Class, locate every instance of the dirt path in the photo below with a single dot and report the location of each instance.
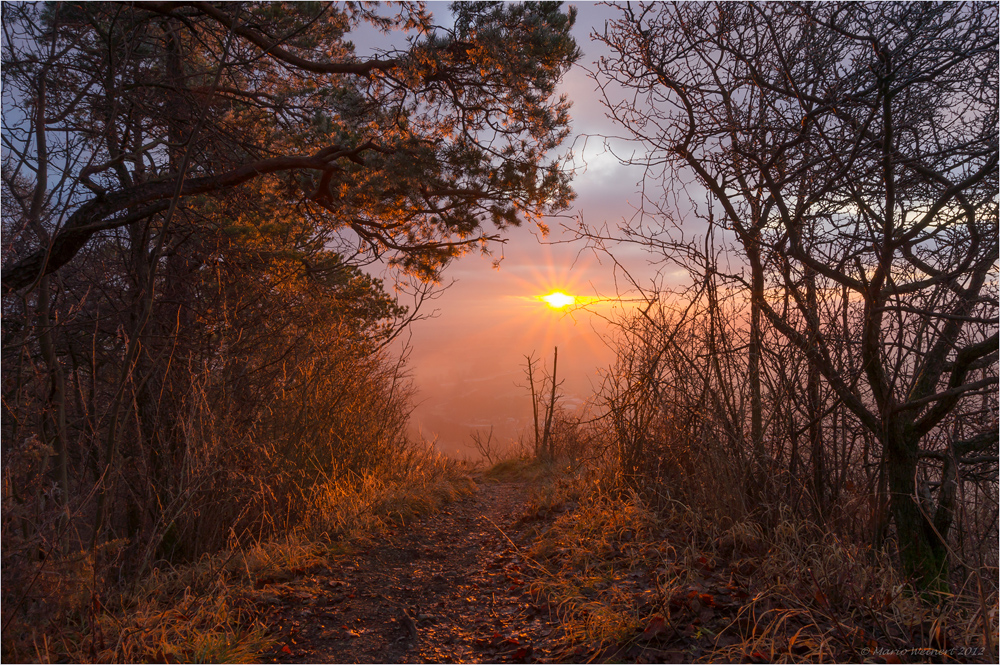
(448, 588)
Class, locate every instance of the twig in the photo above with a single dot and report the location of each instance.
(408, 621)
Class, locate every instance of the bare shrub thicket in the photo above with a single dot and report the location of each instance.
(828, 176)
(214, 436)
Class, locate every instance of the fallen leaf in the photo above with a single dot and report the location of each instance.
(656, 627)
(285, 649)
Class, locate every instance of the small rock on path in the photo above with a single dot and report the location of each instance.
(450, 587)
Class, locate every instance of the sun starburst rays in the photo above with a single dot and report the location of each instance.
(558, 300)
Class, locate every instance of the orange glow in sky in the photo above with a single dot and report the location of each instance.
(469, 361)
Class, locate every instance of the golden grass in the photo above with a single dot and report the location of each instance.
(588, 553)
(517, 468)
(194, 613)
(627, 580)
(361, 507)
(207, 611)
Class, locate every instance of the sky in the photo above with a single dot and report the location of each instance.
(467, 362)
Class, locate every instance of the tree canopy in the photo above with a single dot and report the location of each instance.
(411, 153)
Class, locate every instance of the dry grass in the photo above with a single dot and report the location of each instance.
(361, 507)
(518, 464)
(207, 611)
(517, 468)
(640, 584)
(588, 557)
(194, 613)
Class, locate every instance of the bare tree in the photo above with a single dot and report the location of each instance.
(852, 151)
(548, 441)
(483, 443)
(529, 370)
(545, 446)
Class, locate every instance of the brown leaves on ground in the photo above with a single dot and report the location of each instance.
(451, 587)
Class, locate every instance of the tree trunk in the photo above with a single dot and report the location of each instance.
(548, 445)
(921, 553)
(814, 409)
(753, 361)
(57, 401)
(534, 405)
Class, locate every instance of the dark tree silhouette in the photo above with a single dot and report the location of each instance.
(850, 150)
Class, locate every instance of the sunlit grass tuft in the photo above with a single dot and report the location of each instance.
(628, 579)
(516, 469)
(360, 507)
(208, 611)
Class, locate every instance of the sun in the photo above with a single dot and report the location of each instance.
(558, 300)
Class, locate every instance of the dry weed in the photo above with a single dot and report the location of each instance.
(591, 554)
(636, 583)
(206, 611)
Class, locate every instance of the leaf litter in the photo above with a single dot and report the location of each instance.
(505, 577)
(448, 588)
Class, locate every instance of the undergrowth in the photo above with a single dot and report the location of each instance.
(517, 463)
(518, 468)
(207, 611)
(637, 578)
